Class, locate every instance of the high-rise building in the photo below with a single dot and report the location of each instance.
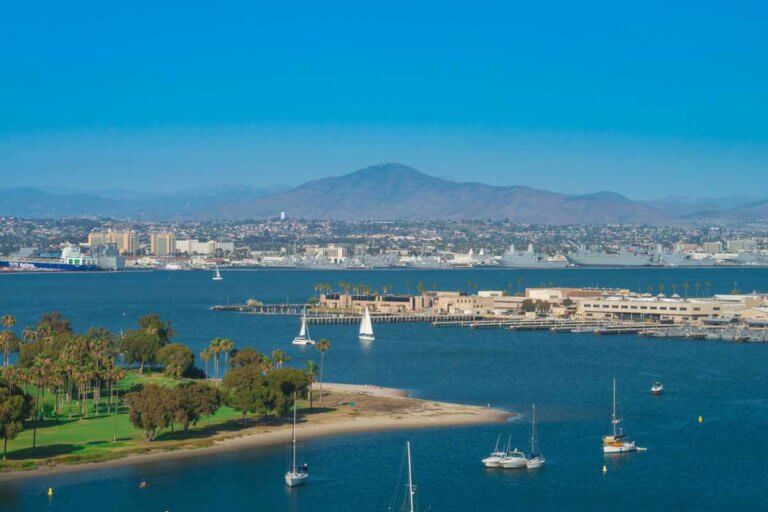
(712, 247)
(162, 244)
(745, 245)
(127, 241)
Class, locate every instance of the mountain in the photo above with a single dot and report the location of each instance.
(388, 191)
(398, 192)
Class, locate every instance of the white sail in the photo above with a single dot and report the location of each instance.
(366, 327)
(303, 331)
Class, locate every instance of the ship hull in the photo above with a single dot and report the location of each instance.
(49, 266)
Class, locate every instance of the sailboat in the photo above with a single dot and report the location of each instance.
(536, 460)
(409, 502)
(366, 327)
(618, 442)
(296, 474)
(494, 459)
(303, 338)
(217, 274)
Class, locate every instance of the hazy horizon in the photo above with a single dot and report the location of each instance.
(560, 97)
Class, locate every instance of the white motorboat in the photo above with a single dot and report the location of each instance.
(618, 442)
(366, 327)
(494, 459)
(657, 388)
(536, 460)
(513, 459)
(303, 338)
(217, 274)
(296, 474)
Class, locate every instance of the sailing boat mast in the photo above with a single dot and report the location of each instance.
(293, 436)
(411, 490)
(614, 419)
(533, 430)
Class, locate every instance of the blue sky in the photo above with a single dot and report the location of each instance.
(647, 99)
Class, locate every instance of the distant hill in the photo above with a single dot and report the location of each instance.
(381, 192)
(398, 192)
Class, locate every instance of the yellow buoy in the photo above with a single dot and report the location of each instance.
(605, 469)
(50, 491)
(701, 420)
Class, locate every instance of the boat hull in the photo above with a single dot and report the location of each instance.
(513, 463)
(303, 341)
(295, 479)
(366, 337)
(535, 463)
(619, 448)
(492, 462)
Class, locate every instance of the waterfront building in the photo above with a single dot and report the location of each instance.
(127, 241)
(745, 245)
(383, 304)
(334, 254)
(712, 247)
(660, 308)
(196, 247)
(162, 244)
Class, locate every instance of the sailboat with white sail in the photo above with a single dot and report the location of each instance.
(303, 338)
(366, 327)
(296, 474)
(618, 442)
(536, 460)
(217, 274)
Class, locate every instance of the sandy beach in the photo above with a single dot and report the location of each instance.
(352, 408)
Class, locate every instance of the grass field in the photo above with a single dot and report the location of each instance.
(83, 439)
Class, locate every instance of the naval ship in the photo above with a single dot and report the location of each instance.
(626, 257)
(530, 259)
(71, 259)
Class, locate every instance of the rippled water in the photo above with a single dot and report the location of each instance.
(718, 465)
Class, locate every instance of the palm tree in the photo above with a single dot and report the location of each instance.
(323, 345)
(707, 284)
(226, 346)
(686, 286)
(280, 357)
(697, 285)
(9, 321)
(267, 364)
(215, 349)
(311, 370)
(205, 355)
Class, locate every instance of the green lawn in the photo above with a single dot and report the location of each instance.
(89, 438)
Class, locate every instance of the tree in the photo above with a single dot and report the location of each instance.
(15, 405)
(323, 346)
(244, 357)
(140, 347)
(193, 401)
(151, 409)
(528, 306)
(226, 346)
(243, 389)
(176, 358)
(8, 341)
(283, 384)
(152, 324)
(312, 370)
(9, 344)
(280, 357)
(205, 355)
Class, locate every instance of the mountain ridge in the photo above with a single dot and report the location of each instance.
(386, 191)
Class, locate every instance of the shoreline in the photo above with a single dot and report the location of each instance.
(428, 414)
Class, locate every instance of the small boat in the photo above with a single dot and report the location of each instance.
(536, 460)
(366, 327)
(657, 388)
(618, 442)
(494, 459)
(217, 274)
(296, 474)
(303, 338)
(513, 459)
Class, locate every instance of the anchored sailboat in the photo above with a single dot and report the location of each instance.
(296, 474)
(217, 274)
(618, 442)
(536, 460)
(366, 327)
(303, 338)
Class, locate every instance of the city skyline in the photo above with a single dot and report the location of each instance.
(562, 98)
